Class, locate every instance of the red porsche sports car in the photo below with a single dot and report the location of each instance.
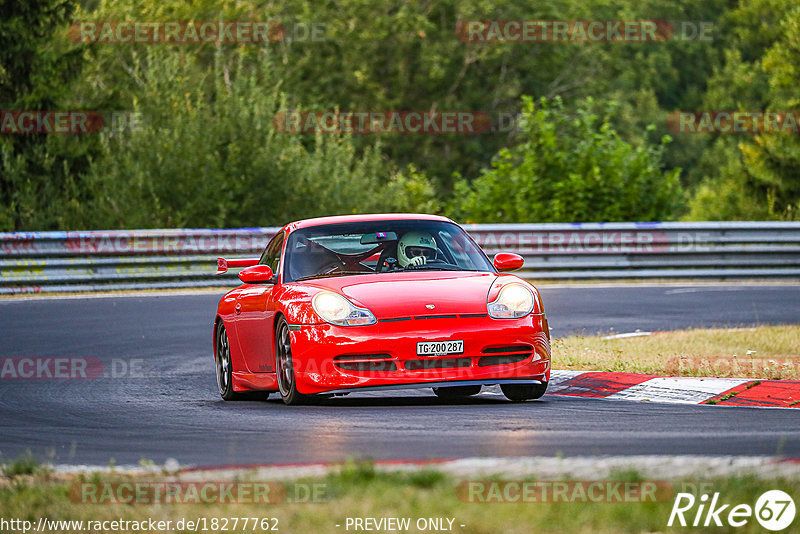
(339, 304)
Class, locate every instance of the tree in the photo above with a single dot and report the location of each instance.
(755, 176)
(208, 155)
(568, 168)
(38, 183)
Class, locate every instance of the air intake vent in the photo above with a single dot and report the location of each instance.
(361, 357)
(367, 367)
(507, 349)
(365, 363)
(503, 359)
(505, 354)
(444, 363)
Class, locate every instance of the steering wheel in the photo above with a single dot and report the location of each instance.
(391, 265)
(434, 261)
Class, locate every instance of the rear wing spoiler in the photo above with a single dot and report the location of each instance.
(223, 264)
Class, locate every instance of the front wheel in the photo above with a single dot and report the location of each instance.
(456, 392)
(523, 392)
(284, 367)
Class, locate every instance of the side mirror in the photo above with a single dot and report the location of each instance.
(257, 274)
(506, 261)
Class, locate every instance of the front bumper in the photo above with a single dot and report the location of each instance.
(330, 358)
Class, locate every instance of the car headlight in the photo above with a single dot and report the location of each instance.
(336, 309)
(513, 302)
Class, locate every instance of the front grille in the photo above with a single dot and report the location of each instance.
(443, 316)
(439, 363)
(365, 363)
(503, 359)
(505, 354)
(360, 357)
(507, 349)
(367, 367)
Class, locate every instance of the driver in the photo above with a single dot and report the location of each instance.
(415, 248)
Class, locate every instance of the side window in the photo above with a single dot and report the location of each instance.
(272, 254)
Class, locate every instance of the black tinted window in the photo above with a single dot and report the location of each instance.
(272, 254)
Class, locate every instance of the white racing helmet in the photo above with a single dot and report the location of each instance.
(415, 248)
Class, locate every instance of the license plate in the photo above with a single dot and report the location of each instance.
(440, 348)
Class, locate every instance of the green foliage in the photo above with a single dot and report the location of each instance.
(207, 154)
(38, 173)
(31, 68)
(354, 472)
(405, 55)
(773, 161)
(570, 167)
(722, 196)
(24, 464)
(426, 478)
(749, 176)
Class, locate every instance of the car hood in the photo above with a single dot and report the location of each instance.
(394, 295)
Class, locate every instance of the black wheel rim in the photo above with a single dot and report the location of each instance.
(223, 361)
(284, 361)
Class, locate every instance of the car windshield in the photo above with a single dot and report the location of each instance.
(380, 247)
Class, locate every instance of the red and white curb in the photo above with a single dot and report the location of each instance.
(681, 390)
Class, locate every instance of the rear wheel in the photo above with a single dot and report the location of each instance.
(523, 392)
(284, 367)
(456, 392)
(224, 367)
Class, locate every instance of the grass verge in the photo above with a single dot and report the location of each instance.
(359, 491)
(765, 352)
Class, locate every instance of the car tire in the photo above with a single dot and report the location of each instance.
(456, 392)
(224, 367)
(523, 392)
(284, 368)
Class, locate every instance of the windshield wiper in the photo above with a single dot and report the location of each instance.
(434, 267)
(335, 273)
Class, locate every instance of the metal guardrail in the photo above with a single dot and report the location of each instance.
(150, 259)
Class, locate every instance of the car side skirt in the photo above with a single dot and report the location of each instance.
(244, 381)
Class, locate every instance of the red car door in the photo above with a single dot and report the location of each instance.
(255, 315)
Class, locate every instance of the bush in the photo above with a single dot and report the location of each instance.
(24, 464)
(209, 155)
(570, 167)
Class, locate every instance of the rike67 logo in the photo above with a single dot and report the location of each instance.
(774, 510)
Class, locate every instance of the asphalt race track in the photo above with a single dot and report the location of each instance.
(174, 411)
